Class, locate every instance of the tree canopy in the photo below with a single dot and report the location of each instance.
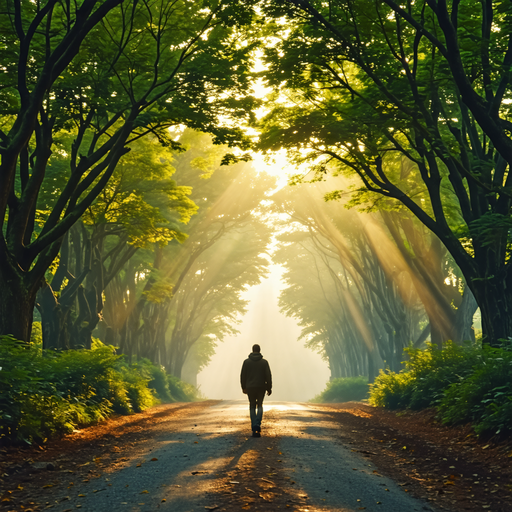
(415, 100)
(80, 84)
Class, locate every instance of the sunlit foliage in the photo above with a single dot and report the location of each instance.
(465, 384)
(55, 392)
(413, 99)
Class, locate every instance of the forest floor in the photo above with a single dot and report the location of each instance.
(311, 457)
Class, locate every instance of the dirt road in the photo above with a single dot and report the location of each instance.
(205, 459)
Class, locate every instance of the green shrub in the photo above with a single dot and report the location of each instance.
(43, 394)
(391, 390)
(140, 396)
(160, 383)
(344, 389)
(157, 379)
(181, 391)
(426, 375)
(465, 384)
(484, 397)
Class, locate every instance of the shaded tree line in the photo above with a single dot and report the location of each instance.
(154, 267)
(364, 286)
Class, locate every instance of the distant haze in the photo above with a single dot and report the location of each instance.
(298, 373)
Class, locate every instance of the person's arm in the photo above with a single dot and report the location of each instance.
(243, 377)
(268, 378)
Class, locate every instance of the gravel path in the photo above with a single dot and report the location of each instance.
(186, 468)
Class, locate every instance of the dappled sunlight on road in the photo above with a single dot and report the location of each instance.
(207, 459)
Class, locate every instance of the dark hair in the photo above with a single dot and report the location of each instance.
(256, 348)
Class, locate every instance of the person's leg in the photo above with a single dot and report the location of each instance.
(259, 412)
(252, 395)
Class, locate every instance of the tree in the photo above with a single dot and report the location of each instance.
(110, 73)
(365, 309)
(414, 99)
(209, 302)
(140, 206)
(165, 301)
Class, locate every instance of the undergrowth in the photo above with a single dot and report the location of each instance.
(343, 389)
(464, 383)
(46, 393)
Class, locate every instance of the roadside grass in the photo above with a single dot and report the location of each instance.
(466, 384)
(44, 393)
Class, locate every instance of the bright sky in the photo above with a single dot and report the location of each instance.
(278, 168)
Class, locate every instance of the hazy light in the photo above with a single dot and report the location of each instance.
(298, 373)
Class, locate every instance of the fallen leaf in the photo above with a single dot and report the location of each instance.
(81, 495)
(47, 486)
(163, 500)
(211, 507)
(154, 458)
(144, 492)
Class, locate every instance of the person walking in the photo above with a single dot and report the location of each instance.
(256, 378)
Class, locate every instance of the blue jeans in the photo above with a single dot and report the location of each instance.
(256, 396)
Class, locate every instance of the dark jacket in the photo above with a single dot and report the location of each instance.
(256, 373)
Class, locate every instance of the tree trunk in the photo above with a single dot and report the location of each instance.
(16, 306)
(373, 368)
(53, 320)
(463, 329)
(494, 296)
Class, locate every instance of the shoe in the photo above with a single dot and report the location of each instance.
(256, 434)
